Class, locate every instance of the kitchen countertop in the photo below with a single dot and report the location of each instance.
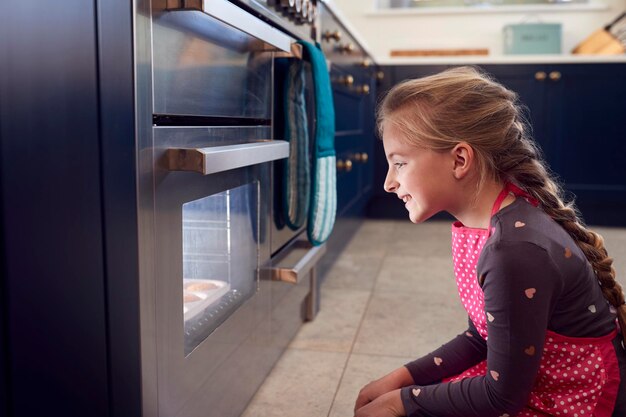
(507, 59)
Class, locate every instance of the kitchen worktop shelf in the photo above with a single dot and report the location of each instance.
(485, 9)
(506, 59)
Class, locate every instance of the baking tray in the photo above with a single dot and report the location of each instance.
(206, 291)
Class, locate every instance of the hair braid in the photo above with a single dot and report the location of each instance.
(531, 174)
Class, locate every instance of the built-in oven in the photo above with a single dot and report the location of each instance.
(218, 303)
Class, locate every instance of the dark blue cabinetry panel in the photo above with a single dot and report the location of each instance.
(577, 117)
(54, 338)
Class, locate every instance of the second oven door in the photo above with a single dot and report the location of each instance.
(211, 237)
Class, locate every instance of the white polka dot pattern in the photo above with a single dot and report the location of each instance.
(573, 373)
(467, 244)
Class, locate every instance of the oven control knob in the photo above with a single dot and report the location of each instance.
(311, 12)
(305, 8)
(284, 5)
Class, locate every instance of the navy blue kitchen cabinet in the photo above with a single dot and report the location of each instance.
(69, 316)
(353, 78)
(354, 83)
(354, 137)
(576, 113)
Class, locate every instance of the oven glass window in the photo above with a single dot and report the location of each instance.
(220, 259)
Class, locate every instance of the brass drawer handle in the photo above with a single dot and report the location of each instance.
(328, 35)
(346, 49)
(346, 80)
(555, 75)
(540, 75)
(363, 89)
(344, 165)
(361, 157)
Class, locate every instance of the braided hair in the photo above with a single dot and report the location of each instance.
(463, 104)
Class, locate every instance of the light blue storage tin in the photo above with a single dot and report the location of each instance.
(532, 38)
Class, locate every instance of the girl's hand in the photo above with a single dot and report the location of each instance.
(387, 405)
(394, 380)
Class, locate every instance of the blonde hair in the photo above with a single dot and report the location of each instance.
(463, 104)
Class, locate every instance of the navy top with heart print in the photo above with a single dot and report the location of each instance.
(536, 282)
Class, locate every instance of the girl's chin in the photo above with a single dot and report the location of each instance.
(419, 216)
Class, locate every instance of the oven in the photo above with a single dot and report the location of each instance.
(223, 285)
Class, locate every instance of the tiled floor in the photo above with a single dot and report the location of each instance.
(389, 298)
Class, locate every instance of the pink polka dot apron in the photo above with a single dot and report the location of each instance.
(577, 377)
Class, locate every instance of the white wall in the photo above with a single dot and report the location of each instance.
(383, 33)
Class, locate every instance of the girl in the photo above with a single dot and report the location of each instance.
(538, 286)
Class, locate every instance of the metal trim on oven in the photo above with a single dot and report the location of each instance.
(281, 271)
(216, 159)
(236, 17)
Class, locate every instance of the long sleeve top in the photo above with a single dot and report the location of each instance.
(566, 298)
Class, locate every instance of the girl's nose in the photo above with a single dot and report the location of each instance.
(390, 185)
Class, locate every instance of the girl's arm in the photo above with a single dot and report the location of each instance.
(464, 351)
(521, 285)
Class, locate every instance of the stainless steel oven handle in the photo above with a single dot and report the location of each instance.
(241, 20)
(292, 274)
(222, 158)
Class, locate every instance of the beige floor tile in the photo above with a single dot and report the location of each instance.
(378, 226)
(426, 239)
(336, 324)
(367, 244)
(302, 384)
(360, 370)
(353, 271)
(371, 239)
(409, 324)
(425, 275)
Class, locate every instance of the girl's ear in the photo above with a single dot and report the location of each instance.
(463, 159)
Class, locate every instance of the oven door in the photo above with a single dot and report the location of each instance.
(211, 231)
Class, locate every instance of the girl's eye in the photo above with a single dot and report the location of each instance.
(399, 165)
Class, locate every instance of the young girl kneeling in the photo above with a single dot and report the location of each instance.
(538, 286)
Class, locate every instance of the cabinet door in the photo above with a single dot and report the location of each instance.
(587, 105)
(348, 172)
(350, 102)
(530, 82)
